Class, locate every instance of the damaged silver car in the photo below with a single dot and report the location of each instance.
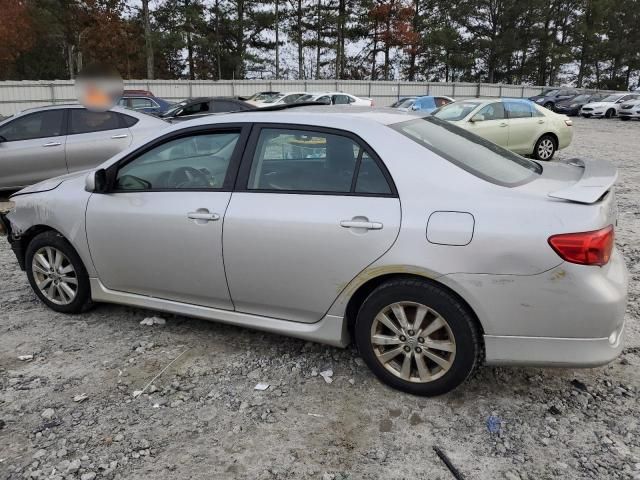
(433, 249)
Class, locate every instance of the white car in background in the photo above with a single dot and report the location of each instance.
(517, 124)
(336, 98)
(281, 99)
(607, 107)
(629, 110)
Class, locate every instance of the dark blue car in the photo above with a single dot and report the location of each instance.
(144, 101)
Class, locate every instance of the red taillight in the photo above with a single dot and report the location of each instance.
(585, 248)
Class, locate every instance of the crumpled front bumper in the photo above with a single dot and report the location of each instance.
(16, 245)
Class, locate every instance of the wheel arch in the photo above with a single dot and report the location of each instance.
(20, 243)
(358, 297)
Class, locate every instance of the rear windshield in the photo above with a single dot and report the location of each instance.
(469, 151)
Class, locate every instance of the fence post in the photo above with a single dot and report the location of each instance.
(190, 89)
(398, 96)
(453, 90)
(233, 89)
(369, 89)
(500, 91)
(53, 93)
(428, 88)
(522, 92)
(478, 90)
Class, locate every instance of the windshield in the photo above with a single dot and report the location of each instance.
(581, 98)
(611, 98)
(469, 151)
(305, 98)
(455, 111)
(274, 99)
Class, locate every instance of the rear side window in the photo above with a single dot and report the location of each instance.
(309, 161)
(470, 152)
(35, 125)
(85, 121)
(519, 109)
(128, 120)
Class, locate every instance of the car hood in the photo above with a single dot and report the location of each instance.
(599, 104)
(50, 184)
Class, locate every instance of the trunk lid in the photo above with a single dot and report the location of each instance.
(576, 180)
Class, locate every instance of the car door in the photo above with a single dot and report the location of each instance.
(312, 208)
(493, 124)
(158, 231)
(94, 137)
(32, 148)
(525, 125)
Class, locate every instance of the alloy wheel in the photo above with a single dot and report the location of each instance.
(54, 275)
(545, 149)
(413, 342)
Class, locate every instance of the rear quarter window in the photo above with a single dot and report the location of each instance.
(470, 152)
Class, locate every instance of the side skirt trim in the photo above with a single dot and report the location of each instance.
(331, 329)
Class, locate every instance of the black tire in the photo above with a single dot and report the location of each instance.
(547, 153)
(458, 317)
(610, 113)
(549, 105)
(82, 300)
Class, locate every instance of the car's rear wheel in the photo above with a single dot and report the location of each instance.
(56, 273)
(610, 113)
(545, 148)
(417, 337)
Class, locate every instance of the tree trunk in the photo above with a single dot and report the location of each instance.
(413, 52)
(218, 52)
(188, 28)
(148, 46)
(277, 42)
(239, 70)
(299, 41)
(318, 38)
(375, 50)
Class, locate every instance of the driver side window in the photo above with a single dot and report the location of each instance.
(193, 162)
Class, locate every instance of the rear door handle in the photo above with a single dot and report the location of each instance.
(361, 224)
(540, 121)
(123, 135)
(207, 217)
(52, 144)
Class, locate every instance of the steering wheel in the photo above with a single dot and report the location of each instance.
(187, 177)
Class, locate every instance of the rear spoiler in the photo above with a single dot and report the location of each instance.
(598, 177)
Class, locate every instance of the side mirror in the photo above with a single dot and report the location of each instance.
(96, 181)
(478, 117)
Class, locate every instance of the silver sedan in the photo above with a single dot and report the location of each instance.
(433, 249)
(46, 142)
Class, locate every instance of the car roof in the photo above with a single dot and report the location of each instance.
(57, 106)
(308, 115)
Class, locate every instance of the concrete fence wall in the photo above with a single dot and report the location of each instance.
(20, 95)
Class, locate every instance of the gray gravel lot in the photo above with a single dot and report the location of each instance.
(203, 419)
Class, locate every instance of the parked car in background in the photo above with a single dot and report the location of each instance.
(335, 98)
(46, 142)
(629, 109)
(281, 99)
(517, 124)
(429, 103)
(573, 105)
(522, 269)
(608, 106)
(404, 102)
(550, 98)
(144, 101)
(198, 107)
(259, 97)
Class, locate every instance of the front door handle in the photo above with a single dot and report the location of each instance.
(123, 135)
(206, 216)
(503, 124)
(541, 121)
(361, 224)
(52, 144)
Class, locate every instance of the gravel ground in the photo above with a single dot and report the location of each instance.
(203, 418)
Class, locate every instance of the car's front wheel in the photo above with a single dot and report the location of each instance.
(56, 273)
(417, 337)
(545, 148)
(610, 113)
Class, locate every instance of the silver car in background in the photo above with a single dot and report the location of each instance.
(434, 249)
(46, 142)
